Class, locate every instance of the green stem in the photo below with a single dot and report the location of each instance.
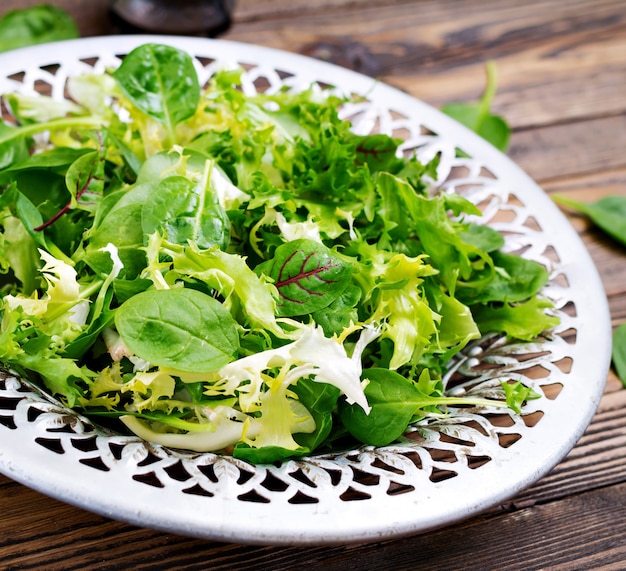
(65, 307)
(92, 288)
(575, 204)
(27, 130)
(490, 89)
(55, 251)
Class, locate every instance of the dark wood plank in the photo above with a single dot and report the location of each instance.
(250, 10)
(88, 536)
(565, 150)
(547, 53)
(598, 460)
(515, 540)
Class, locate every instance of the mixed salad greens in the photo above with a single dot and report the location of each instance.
(34, 25)
(240, 274)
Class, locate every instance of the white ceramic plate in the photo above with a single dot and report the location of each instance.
(447, 469)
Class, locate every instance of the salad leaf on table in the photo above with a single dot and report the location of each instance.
(35, 25)
(478, 117)
(608, 214)
(241, 274)
(619, 352)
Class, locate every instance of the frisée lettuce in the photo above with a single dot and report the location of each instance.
(221, 272)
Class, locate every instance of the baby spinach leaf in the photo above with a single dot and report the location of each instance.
(162, 82)
(265, 454)
(184, 329)
(125, 289)
(395, 401)
(608, 213)
(22, 207)
(308, 275)
(12, 150)
(79, 346)
(35, 25)
(478, 117)
(185, 210)
(122, 228)
(56, 160)
(118, 221)
(619, 352)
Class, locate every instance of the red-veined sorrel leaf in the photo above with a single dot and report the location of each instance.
(308, 275)
(85, 182)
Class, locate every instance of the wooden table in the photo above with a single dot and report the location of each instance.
(562, 87)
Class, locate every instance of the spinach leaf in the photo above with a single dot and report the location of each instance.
(118, 222)
(79, 346)
(12, 151)
(619, 352)
(55, 160)
(308, 276)
(125, 289)
(184, 329)
(478, 117)
(265, 454)
(608, 213)
(122, 228)
(183, 210)
(395, 401)
(35, 25)
(162, 82)
(23, 208)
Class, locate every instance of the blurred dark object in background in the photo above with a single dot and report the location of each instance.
(174, 17)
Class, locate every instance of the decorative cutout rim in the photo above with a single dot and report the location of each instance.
(445, 469)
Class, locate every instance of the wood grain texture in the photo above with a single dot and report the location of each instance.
(547, 53)
(562, 86)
